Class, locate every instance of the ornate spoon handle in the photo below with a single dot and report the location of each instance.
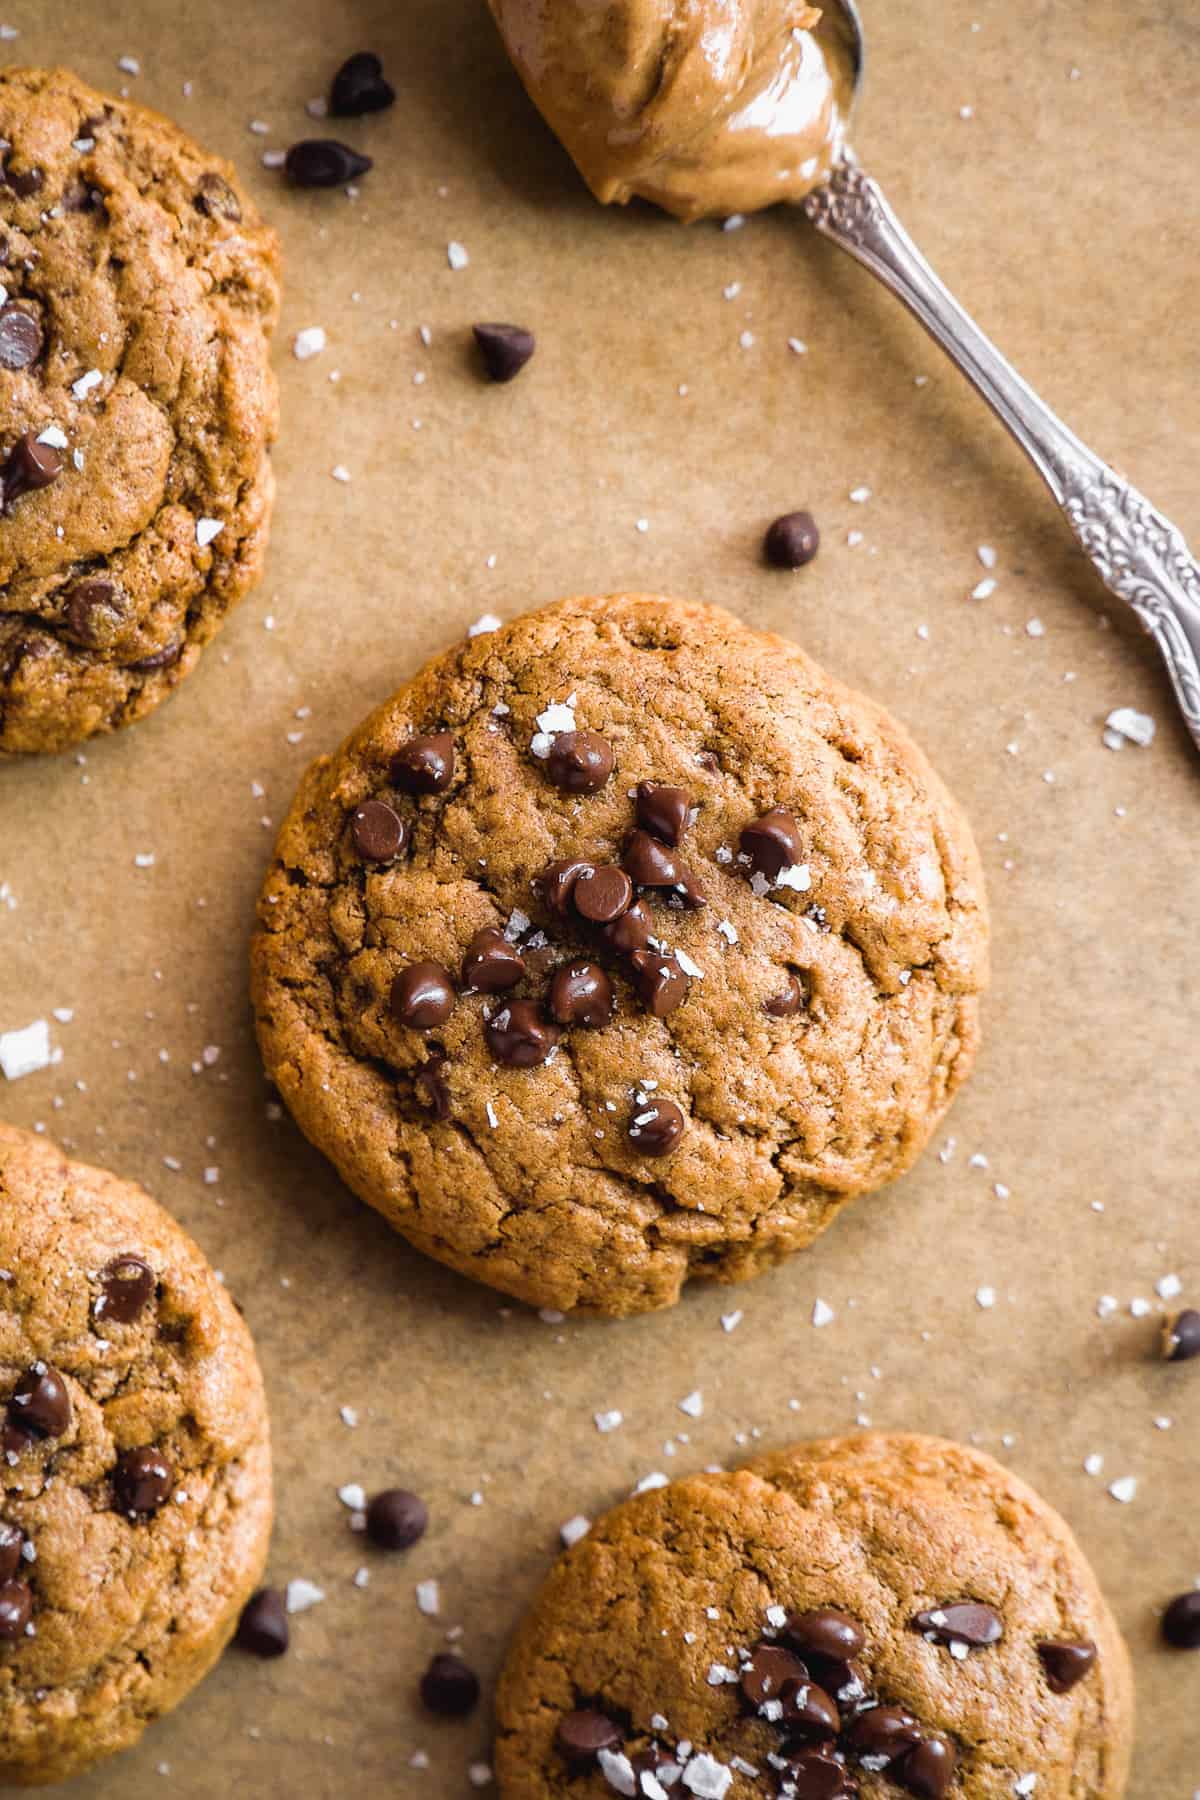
(1139, 555)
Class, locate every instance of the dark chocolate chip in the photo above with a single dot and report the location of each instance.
(885, 1731)
(656, 1127)
(379, 832)
(660, 982)
(25, 182)
(96, 613)
(16, 1610)
(1066, 1662)
(425, 765)
(13, 1441)
(449, 1688)
(505, 349)
(825, 1632)
(772, 843)
(1181, 1621)
(142, 1480)
(580, 762)
(263, 1627)
(160, 659)
(30, 466)
(583, 1734)
(788, 1001)
(12, 1542)
(359, 87)
(422, 996)
(41, 1405)
(1181, 1336)
(809, 1711)
(655, 1761)
(632, 931)
(324, 163)
(929, 1768)
(519, 1035)
(687, 891)
(581, 994)
(649, 863)
(432, 1090)
(814, 1773)
(966, 1622)
(20, 338)
(492, 964)
(602, 893)
(396, 1519)
(768, 1672)
(556, 883)
(792, 540)
(127, 1286)
(80, 198)
(662, 810)
(216, 199)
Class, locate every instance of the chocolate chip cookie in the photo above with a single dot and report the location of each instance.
(621, 946)
(138, 291)
(135, 1469)
(864, 1618)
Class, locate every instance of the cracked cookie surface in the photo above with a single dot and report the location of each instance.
(646, 1145)
(141, 289)
(135, 1478)
(651, 1625)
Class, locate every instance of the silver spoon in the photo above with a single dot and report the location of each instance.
(1138, 554)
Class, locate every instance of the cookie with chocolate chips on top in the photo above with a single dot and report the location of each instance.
(135, 1479)
(865, 1618)
(620, 947)
(138, 292)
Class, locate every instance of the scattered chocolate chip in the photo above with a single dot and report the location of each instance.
(825, 1632)
(127, 1286)
(12, 1542)
(632, 931)
(583, 1734)
(1181, 1621)
(143, 1480)
(263, 1627)
(422, 996)
(396, 1519)
(769, 1671)
(602, 893)
(25, 182)
(80, 198)
(580, 762)
(772, 843)
(809, 1711)
(13, 1441)
(505, 349)
(449, 1688)
(425, 765)
(649, 863)
(16, 1610)
(359, 87)
(655, 1761)
(967, 1622)
(215, 198)
(379, 832)
(814, 1773)
(492, 964)
(656, 1128)
(20, 338)
(660, 982)
(1181, 1336)
(519, 1036)
(687, 891)
(160, 659)
(884, 1731)
(788, 1001)
(30, 466)
(929, 1768)
(324, 163)
(96, 613)
(41, 1406)
(1066, 1663)
(792, 540)
(662, 810)
(432, 1090)
(581, 994)
(556, 883)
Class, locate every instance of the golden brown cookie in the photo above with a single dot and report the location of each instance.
(874, 1617)
(138, 291)
(135, 1473)
(582, 1097)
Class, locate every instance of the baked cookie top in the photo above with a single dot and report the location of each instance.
(874, 1617)
(621, 946)
(135, 1476)
(137, 405)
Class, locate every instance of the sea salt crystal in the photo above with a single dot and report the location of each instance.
(1093, 1464)
(987, 556)
(309, 343)
(688, 966)
(617, 1770)
(731, 1321)
(302, 1594)
(1168, 1287)
(707, 1778)
(83, 387)
(484, 623)
(1127, 725)
(574, 1529)
(54, 436)
(608, 1421)
(207, 530)
(650, 1483)
(25, 1051)
(353, 1496)
(456, 255)
(985, 1297)
(429, 1598)
(692, 1404)
(983, 590)
(822, 1314)
(1124, 1489)
(797, 877)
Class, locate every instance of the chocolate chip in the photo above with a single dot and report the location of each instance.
(632, 931)
(16, 1610)
(30, 466)
(379, 832)
(660, 982)
(1066, 1662)
(556, 883)
(1181, 1336)
(20, 338)
(583, 1734)
(263, 1627)
(964, 1623)
(425, 765)
(41, 1406)
(422, 996)
(687, 891)
(884, 1731)
(772, 843)
(160, 659)
(127, 1286)
(581, 994)
(768, 1672)
(649, 863)
(929, 1768)
(359, 87)
(449, 1688)
(432, 1090)
(492, 964)
(324, 163)
(13, 1441)
(96, 613)
(809, 1711)
(80, 198)
(143, 1480)
(662, 810)
(825, 1632)
(792, 540)
(519, 1036)
(215, 198)
(25, 182)
(814, 1773)
(505, 349)
(1181, 1621)
(656, 1127)
(12, 1542)
(580, 762)
(396, 1519)
(788, 1001)
(657, 1762)
(602, 893)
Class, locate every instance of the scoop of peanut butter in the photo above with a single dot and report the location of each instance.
(706, 107)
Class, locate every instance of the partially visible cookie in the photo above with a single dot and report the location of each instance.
(138, 291)
(873, 1617)
(135, 1465)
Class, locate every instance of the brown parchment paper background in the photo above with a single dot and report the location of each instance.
(1064, 213)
